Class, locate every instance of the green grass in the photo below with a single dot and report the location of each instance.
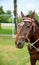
(6, 30)
(10, 55)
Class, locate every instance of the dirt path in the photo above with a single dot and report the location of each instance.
(28, 63)
(9, 48)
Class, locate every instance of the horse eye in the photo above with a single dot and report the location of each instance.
(28, 25)
(23, 39)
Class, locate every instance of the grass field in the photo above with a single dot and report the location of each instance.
(6, 30)
(10, 55)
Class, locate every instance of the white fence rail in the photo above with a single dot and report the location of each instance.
(10, 25)
(6, 25)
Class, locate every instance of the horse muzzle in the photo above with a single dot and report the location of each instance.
(19, 44)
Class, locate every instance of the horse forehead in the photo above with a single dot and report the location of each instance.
(28, 19)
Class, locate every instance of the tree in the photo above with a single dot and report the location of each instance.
(35, 16)
(15, 15)
(30, 12)
(1, 12)
(5, 17)
(9, 12)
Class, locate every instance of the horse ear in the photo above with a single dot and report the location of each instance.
(22, 14)
(32, 15)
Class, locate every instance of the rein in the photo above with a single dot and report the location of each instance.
(34, 46)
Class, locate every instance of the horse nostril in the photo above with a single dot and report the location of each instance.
(19, 44)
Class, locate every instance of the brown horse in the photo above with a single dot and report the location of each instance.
(29, 31)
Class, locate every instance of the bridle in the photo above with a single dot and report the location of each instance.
(32, 45)
(22, 24)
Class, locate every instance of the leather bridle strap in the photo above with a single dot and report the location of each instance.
(34, 46)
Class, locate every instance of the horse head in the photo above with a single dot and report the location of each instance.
(25, 29)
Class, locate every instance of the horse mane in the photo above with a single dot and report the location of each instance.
(37, 23)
